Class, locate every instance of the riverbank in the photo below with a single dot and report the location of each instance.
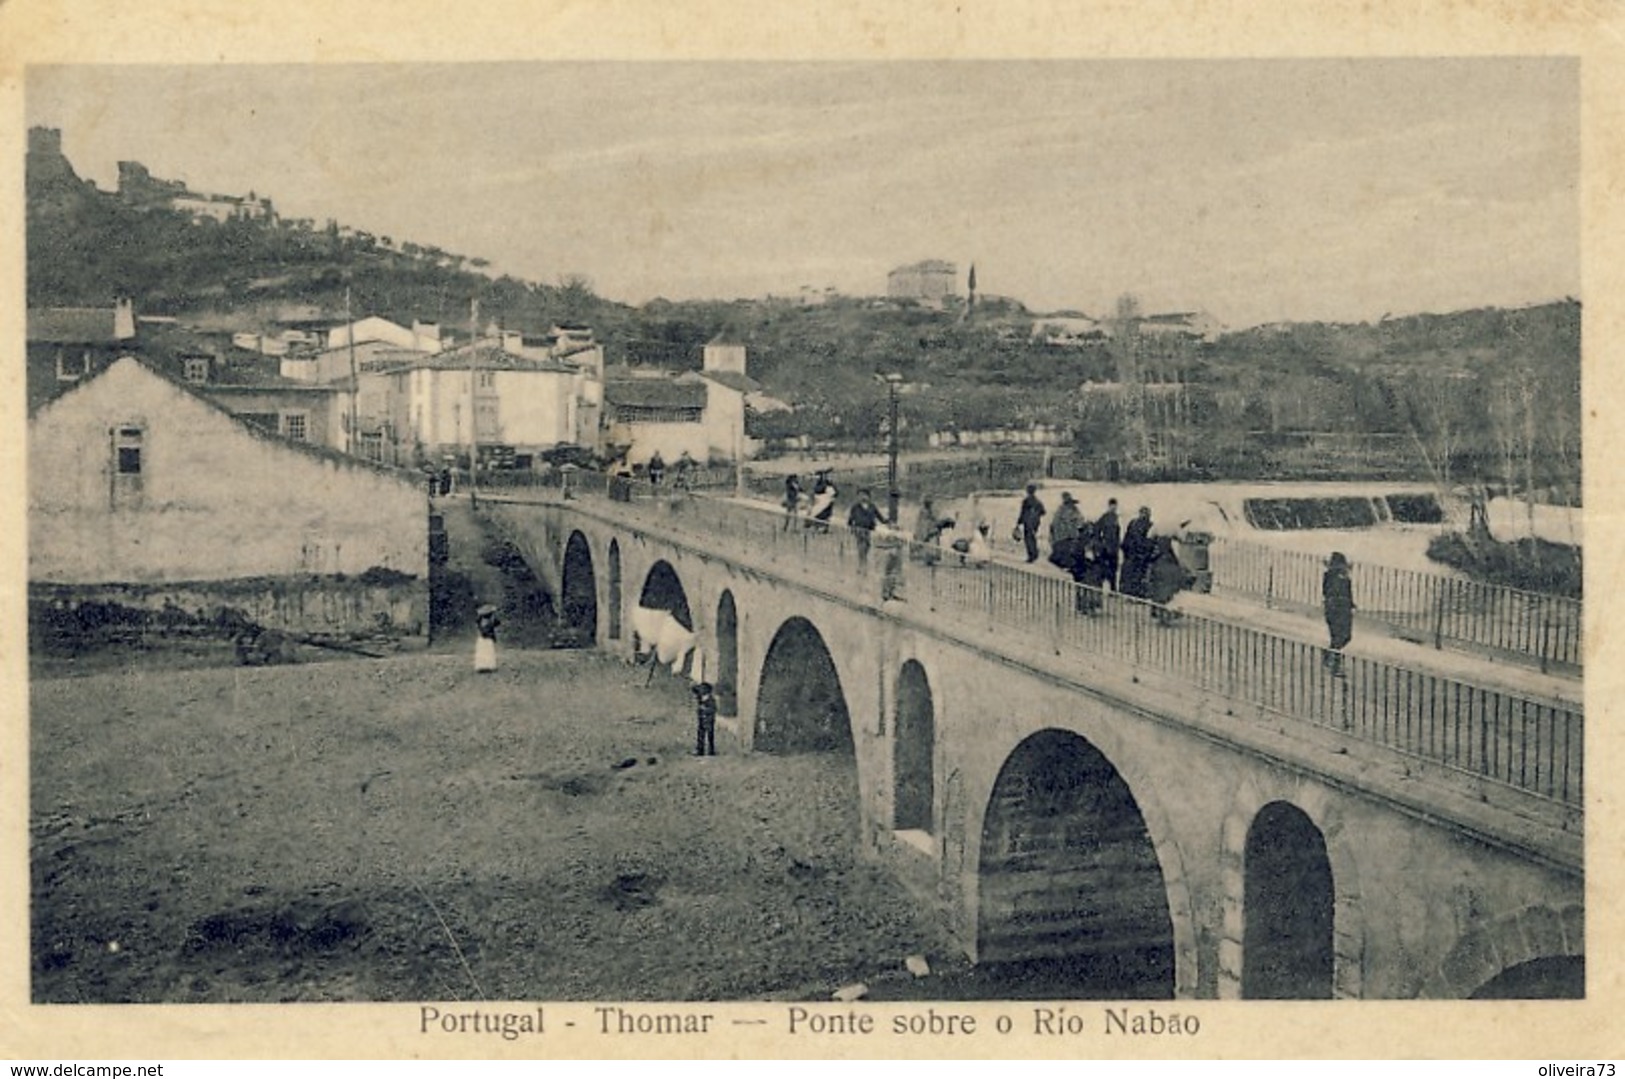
(404, 829)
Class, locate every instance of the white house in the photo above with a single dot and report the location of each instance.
(701, 412)
(422, 406)
(649, 414)
(422, 337)
(141, 488)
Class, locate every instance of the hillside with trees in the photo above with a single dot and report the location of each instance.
(86, 246)
(1484, 396)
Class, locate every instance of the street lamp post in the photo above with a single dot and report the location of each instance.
(893, 381)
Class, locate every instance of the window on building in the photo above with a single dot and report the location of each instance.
(127, 465)
(293, 426)
(657, 414)
(487, 380)
(70, 368)
(197, 369)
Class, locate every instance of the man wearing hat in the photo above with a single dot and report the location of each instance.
(1066, 532)
(705, 720)
(485, 640)
(1032, 511)
(1109, 536)
(1337, 594)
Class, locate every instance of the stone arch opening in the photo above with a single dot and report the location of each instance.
(800, 707)
(1072, 899)
(615, 590)
(1552, 977)
(579, 599)
(727, 680)
(1288, 899)
(914, 751)
(663, 591)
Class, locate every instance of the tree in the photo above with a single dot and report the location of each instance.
(1437, 411)
(576, 296)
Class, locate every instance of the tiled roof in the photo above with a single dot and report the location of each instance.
(486, 358)
(655, 393)
(733, 380)
(71, 325)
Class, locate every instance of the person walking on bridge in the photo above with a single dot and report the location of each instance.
(1032, 512)
(822, 507)
(1066, 532)
(792, 500)
(1110, 535)
(928, 529)
(1337, 595)
(1139, 551)
(861, 519)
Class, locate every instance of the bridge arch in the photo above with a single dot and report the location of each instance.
(1536, 953)
(1069, 878)
(914, 741)
(727, 679)
(1287, 900)
(800, 705)
(615, 604)
(663, 591)
(1306, 817)
(579, 588)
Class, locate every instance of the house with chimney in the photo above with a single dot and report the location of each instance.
(66, 345)
(144, 492)
(701, 413)
(359, 343)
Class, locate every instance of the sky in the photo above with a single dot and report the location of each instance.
(1258, 190)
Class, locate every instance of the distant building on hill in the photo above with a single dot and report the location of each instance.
(1066, 331)
(1195, 325)
(138, 187)
(931, 282)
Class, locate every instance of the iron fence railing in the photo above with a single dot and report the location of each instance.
(1534, 746)
(1428, 606)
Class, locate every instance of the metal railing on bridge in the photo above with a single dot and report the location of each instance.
(1424, 606)
(1534, 746)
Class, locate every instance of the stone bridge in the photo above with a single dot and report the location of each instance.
(1057, 800)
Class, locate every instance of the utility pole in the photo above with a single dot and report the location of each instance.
(893, 381)
(355, 378)
(473, 418)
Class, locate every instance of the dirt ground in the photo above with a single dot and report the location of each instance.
(406, 829)
(402, 829)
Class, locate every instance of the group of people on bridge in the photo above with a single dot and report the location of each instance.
(1099, 554)
(656, 469)
(1104, 555)
(815, 508)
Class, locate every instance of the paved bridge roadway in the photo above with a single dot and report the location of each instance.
(1200, 808)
